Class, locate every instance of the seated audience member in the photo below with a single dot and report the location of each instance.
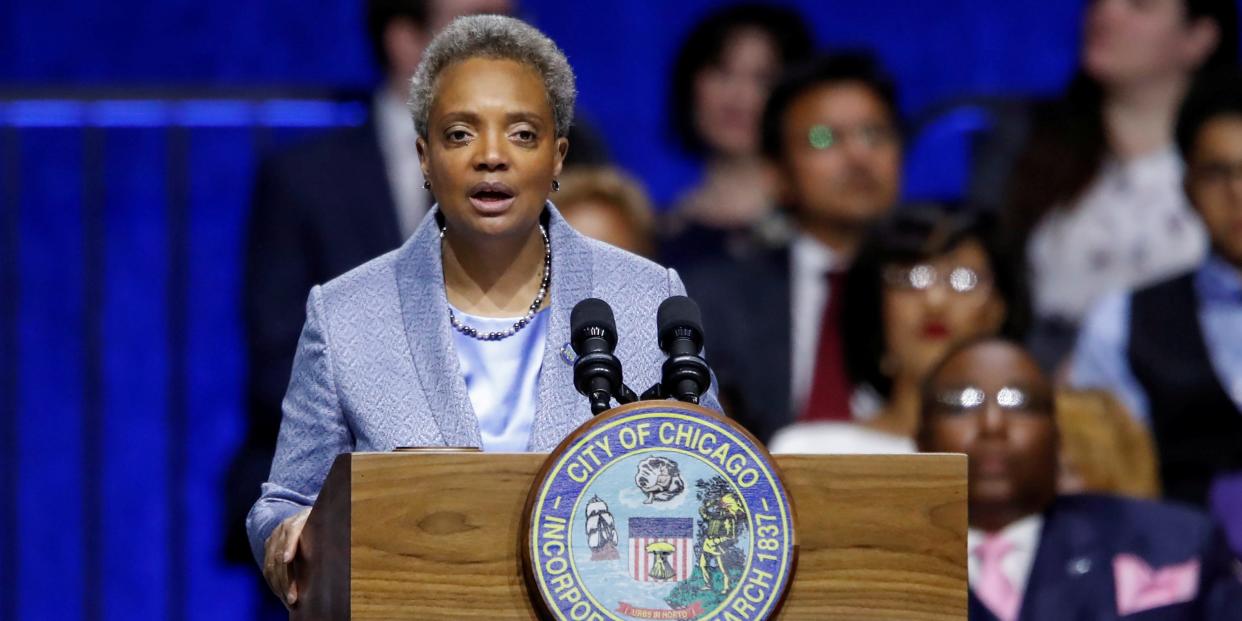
(830, 127)
(1225, 501)
(1103, 449)
(606, 204)
(1034, 555)
(927, 278)
(1095, 195)
(719, 84)
(1173, 351)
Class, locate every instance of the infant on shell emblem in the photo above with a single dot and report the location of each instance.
(659, 478)
(659, 511)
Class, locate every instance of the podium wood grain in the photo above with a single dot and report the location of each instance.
(437, 536)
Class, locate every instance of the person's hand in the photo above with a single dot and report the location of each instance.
(278, 554)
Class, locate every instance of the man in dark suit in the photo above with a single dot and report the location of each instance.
(830, 130)
(1034, 556)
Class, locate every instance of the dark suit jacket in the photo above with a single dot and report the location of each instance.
(1072, 577)
(747, 325)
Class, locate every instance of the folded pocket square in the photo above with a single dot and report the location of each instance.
(1140, 587)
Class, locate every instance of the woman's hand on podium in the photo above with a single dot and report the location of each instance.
(278, 555)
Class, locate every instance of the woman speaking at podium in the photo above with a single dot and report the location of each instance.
(460, 337)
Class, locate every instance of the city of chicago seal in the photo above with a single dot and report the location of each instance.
(659, 510)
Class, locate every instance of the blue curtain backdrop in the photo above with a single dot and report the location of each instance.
(129, 131)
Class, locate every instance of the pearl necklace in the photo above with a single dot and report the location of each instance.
(530, 314)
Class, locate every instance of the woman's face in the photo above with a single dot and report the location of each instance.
(1127, 41)
(491, 150)
(729, 96)
(929, 307)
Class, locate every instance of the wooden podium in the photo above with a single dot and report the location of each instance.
(437, 535)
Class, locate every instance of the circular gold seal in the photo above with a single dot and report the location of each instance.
(659, 510)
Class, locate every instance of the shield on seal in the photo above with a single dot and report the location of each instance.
(661, 549)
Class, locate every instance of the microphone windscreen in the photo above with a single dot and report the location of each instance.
(592, 317)
(675, 312)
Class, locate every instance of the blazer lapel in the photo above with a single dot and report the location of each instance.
(1070, 576)
(558, 412)
(424, 310)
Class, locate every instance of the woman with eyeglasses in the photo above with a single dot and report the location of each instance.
(927, 278)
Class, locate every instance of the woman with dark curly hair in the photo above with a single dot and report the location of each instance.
(719, 86)
(1095, 196)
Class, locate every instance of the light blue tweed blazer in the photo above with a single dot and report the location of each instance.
(375, 367)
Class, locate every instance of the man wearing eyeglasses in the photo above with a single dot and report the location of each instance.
(1173, 351)
(830, 131)
(1034, 556)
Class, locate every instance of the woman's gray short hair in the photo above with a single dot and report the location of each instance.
(497, 37)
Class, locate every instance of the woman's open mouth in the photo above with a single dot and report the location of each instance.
(492, 197)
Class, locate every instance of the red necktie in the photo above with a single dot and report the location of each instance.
(830, 388)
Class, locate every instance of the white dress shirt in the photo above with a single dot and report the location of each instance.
(1132, 226)
(396, 132)
(838, 438)
(809, 261)
(1024, 535)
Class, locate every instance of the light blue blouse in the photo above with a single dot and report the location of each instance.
(502, 377)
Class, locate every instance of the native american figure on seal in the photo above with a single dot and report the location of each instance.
(659, 478)
(721, 515)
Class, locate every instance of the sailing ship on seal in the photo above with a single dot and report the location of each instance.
(601, 531)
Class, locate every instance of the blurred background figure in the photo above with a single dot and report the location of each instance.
(927, 278)
(1095, 193)
(1172, 351)
(830, 128)
(1036, 555)
(1103, 449)
(1225, 502)
(720, 82)
(610, 205)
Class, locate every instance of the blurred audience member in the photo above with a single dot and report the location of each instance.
(720, 82)
(1034, 555)
(1095, 196)
(927, 278)
(1172, 351)
(609, 205)
(1225, 501)
(1103, 449)
(831, 128)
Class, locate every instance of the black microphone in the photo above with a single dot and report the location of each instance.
(593, 335)
(679, 325)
